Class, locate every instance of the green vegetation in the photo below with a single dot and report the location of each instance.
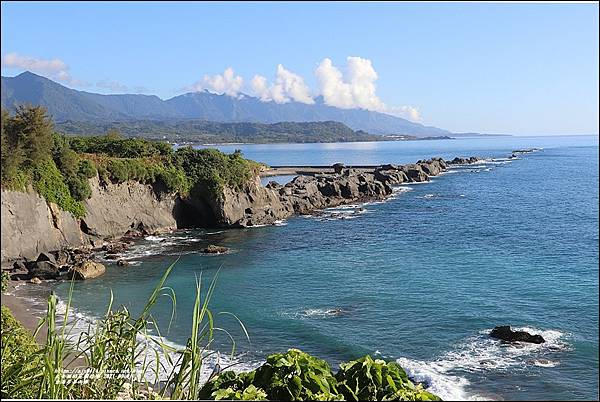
(297, 376)
(20, 355)
(4, 281)
(210, 132)
(59, 167)
(118, 343)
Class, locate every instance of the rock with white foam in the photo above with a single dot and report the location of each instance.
(505, 333)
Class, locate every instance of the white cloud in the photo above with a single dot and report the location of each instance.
(227, 83)
(112, 86)
(356, 88)
(53, 68)
(406, 112)
(288, 87)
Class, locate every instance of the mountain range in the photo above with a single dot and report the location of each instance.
(66, 104)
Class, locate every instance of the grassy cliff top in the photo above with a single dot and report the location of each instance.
(59, 167)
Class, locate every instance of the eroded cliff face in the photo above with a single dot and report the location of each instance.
(113, 209)
(30, 225)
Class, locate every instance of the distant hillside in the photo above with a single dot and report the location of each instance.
(207, 132)
(69, 104)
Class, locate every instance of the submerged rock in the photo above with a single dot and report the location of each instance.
(87, 270)
(212, 249)
(506, 334)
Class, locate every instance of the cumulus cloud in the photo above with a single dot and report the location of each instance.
(227, 83)
(112, 86)
(287, 87)
(53, 68)
(355, 88)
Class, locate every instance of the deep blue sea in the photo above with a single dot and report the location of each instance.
(420, 278)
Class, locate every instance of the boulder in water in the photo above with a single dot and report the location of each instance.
(506, 334)
(212, 249)
(87, 270)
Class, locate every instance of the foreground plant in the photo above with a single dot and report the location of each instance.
(297, 376)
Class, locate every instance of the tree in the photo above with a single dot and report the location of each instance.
(34, 131)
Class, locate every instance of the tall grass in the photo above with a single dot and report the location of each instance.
(119, 352)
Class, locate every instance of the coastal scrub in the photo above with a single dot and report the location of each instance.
(59, 167)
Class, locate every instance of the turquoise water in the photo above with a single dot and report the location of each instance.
(419, 278)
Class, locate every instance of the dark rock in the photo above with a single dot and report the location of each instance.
(62, 257)
(46, 257)
(273, 184)
(115, 248)
(44, 270)
(415, 173)
(19, 266)
(122, 263)
(506, 334)
(388, 166)
(213, 249)
(338, 167)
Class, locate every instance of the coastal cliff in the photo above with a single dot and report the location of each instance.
(31, 225)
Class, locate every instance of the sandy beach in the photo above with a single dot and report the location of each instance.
(23, 311)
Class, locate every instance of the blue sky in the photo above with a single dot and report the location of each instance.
(497, 68)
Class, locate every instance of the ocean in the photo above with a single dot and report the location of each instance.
(421, 278)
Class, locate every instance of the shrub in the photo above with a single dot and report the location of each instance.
(296, 375)
(86, 169)
(4, 281)
(49, 183)
(367, 379)
(291, 376)
(19, 358)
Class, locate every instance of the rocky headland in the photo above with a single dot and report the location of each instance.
(48, 243)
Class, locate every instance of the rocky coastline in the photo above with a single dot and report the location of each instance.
(39, 241)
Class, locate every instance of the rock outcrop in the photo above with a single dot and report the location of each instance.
(506, 334)
(86, 270)
(31, 226)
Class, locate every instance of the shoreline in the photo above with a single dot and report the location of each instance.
(23, 311)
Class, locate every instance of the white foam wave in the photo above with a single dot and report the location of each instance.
(447, 387)
(154, 238)
(481, 353)
(314, 313)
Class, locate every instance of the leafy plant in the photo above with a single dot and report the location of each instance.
(251, 393)
(20, 358)
(4, 281)
(375, 380)
(50, 184)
